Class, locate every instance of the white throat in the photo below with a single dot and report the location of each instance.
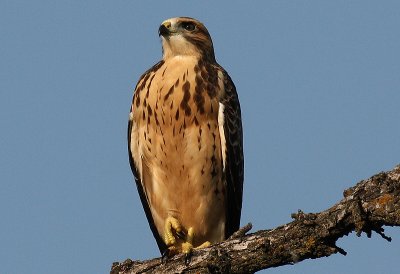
(177, 45)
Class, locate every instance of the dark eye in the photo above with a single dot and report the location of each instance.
(188, 26)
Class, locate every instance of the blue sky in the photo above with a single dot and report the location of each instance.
(320, 92)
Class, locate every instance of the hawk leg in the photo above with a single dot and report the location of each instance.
(187, 246)
(173, 226)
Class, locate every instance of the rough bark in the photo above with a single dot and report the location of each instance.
(366, 207)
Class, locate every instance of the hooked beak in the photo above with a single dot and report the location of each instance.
(165, 29)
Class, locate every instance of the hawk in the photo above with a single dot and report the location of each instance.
(185, 142)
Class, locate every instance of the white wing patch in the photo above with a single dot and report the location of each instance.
(221, 120)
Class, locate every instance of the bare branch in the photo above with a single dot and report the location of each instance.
(366, 207)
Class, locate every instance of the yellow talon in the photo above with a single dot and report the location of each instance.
(204, 245)
(171, 223)
(190, 235)
(187, 246)
(175, 224)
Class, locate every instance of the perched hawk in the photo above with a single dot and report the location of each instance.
(185, 142)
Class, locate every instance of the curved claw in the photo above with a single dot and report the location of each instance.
(180, 234)
(165, 256)
(168, 253)
(188, 258)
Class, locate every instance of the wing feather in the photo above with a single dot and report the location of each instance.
(136, 170)
(234, 166)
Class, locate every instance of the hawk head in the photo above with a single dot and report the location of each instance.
(185, 36)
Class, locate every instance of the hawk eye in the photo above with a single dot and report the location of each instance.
(188, 26)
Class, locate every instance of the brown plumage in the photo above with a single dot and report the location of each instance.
(185, 141)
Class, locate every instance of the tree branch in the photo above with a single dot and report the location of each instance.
(366, 207)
